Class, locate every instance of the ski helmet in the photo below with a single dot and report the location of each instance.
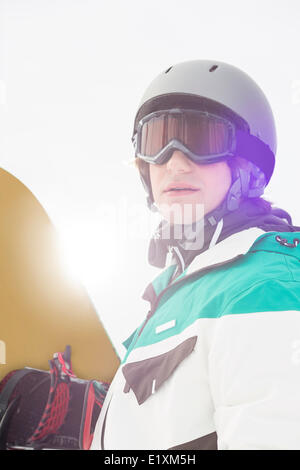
(224, 90)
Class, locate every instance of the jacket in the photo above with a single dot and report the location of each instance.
(216, 363)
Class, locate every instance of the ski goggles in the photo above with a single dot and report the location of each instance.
(202, 136)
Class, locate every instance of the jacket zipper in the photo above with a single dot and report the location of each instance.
(172, 249)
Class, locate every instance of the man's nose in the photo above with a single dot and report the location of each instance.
(179, 163)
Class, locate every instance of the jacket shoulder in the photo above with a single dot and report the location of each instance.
(287, 243)
(268, 279)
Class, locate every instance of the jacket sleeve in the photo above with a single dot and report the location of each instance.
(254, 369)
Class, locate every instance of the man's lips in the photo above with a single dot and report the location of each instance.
(180, 188)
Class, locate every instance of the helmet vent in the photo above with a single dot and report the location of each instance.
(168, 70)
(213, 68)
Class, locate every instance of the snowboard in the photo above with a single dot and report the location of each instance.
(41, 308)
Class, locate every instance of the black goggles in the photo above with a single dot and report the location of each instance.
(202, 136)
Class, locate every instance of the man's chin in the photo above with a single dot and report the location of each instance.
(182, 214)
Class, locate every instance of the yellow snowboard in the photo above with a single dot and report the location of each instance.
(41, 309)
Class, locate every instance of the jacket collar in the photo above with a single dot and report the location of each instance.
(235, 245)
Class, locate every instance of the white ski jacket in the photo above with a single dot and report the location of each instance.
(216, 363)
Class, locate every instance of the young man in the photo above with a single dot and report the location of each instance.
(216, 362)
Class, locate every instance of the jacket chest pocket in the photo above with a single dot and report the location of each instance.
(146, 376)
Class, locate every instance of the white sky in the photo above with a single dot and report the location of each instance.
(71, 77)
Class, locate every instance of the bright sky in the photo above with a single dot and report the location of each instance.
(72, 73)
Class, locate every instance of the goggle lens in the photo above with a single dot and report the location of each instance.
(204, 134)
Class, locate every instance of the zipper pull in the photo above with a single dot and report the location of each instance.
(179, 258)
(169, 255)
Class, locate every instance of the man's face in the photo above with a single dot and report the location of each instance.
(206, 187)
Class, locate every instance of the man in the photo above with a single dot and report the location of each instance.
(214, 365)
